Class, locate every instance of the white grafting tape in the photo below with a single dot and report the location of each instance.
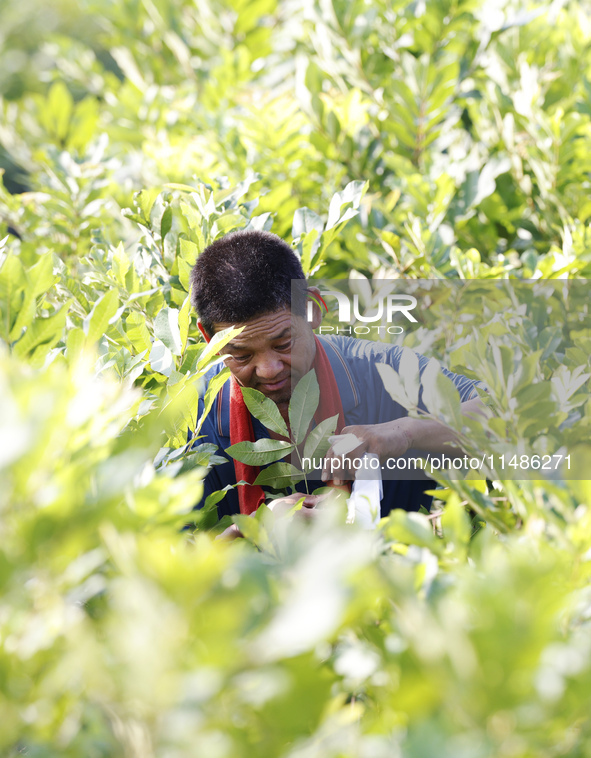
(363, 507)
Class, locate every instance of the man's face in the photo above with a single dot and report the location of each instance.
(271, 354)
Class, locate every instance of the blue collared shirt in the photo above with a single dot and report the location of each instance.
(364, 400)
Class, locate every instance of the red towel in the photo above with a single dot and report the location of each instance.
(251, 496)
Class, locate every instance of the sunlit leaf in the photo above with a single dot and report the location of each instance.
(314, 446)
(214, 386)
(260, 452)
(302, 406)
(166, 329)
(265, 410)
(95, 324)
(161, 359)
(279, 475)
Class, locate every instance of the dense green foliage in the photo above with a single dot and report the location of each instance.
(429, 139)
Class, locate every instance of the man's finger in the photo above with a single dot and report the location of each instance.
(310, 501)
(306, 514)
(231, 533)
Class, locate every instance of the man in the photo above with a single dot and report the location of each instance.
(244, 279)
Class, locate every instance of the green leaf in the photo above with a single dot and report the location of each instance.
(393, 385)
(307, 248)
(12, 283)
(533, 395)
(214, 497)
(184, 273)
(188, 251)
(207, 516)
(145, 200)
(279, 476)
(254, 530)
(97, 321)
(166, 222)
(194, 218)
(440, 395)
(40, 279)
(213, 388)
(318, 435)
(180, 187)
(261, 452)
(303, 404)
(228, 222)
(412, 529)
(161, 359)
(43, 331)
(304, 221)
(333, 126)
(408, 370)
(121, 264)
(137, 332)
(455, 523)
(58, 110)
(75, 341)
(166, 329)
(265, 410)
(351, 195)
(249, 526)
(217, 343)
(185, 322)
(83, 125)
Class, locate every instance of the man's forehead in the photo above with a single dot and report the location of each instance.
(268, 326)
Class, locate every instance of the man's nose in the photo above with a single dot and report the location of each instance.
(269, 366)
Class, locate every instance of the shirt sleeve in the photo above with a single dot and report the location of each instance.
(466, 387)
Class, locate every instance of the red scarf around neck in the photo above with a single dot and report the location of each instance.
(251, 496)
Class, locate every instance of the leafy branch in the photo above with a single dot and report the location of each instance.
(270, 453)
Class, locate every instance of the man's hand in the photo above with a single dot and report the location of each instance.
(230, 533)
(391, 439)
(280, 507)
(283, 505)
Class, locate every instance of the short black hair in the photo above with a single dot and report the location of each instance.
(244, 275)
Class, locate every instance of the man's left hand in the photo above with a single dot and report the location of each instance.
(282, 506)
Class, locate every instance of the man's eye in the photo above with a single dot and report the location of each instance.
(285, 346)
(240, 358)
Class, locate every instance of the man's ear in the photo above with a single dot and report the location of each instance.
(316, 309)
(206, 336)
